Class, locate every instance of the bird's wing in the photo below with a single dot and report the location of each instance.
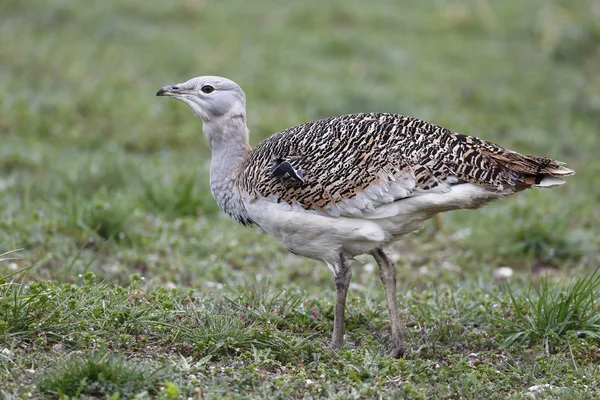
(350, 165)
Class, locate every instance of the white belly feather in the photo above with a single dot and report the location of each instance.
(313, 235)
(322, 237)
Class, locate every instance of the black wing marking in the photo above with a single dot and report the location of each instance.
(284, 170)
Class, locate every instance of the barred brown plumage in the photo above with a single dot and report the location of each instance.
(342, 156)
(343, 186)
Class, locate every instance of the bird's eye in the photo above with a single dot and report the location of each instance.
(207, 89)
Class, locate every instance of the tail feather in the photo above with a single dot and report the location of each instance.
(548, 181)
(532, 171)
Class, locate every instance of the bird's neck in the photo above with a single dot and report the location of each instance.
(227, 137)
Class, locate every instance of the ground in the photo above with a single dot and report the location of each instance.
(139, 287)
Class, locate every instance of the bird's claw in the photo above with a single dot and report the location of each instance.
(398, 350)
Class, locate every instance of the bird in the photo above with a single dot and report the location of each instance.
(344, 186)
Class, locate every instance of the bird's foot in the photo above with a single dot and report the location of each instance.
(336, 344)
(397, 350)
(333, 348)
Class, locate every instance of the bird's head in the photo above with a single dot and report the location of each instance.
(209, 97)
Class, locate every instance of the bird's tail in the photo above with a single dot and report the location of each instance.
(532, 171)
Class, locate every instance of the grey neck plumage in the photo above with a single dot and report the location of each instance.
(227, 137)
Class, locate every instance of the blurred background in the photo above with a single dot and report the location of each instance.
(97, 174)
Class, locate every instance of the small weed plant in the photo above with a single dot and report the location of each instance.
(547, 312)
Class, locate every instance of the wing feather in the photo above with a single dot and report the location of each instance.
(354, 163)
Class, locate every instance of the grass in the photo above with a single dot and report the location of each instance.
(131, 340)
(104, 376)
(549, 312)
(128, 270)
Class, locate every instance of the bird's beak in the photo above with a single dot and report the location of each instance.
(168, 90)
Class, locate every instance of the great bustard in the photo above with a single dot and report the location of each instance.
(339, 187)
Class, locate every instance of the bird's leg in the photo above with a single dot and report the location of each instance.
(387, 272)
(342, 281)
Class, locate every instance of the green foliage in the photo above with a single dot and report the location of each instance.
(178, 196)
(548, 312)
(258, 301)
(272, 342)
(531, 227)
(103, 375)
(170, 391)
(257, 320)
(108, 218)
